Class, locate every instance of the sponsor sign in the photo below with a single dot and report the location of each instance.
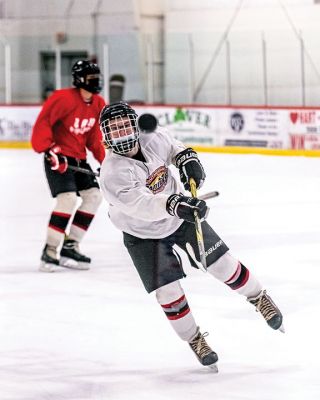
(190, 125)
(237, 121)
(204, 126)
(253, 128)
(16, 122)
(304, 129)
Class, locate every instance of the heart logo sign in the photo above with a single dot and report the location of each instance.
(294, 117)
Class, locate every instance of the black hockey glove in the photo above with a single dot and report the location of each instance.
(56, 160)
(190, 167)
(183, 207)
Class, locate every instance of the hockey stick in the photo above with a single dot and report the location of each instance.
(205, 196)
(202, 251)
(209, 195)
(83, 170)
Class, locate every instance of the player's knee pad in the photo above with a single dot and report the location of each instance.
(91, 199)
(224, 268)
(169, 293)
(66, 202)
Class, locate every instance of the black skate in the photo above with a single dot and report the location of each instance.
(202, 350)
(268, 309)
(49, 260)
(70, 256)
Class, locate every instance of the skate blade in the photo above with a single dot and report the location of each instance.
(46, 267)
(214, 368)
(281, 329)
(72, 264)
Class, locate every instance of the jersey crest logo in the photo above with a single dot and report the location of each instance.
(83, 126)
(157, 181)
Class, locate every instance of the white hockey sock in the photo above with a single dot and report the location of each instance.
(54, 238)
(84, 215)
(172, 299)
(60, 217)
(230, 271)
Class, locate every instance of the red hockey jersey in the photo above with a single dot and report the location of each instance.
(72, 124)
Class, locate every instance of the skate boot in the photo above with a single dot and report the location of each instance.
(202, 350)
(49, 260)
(70, 256)
(268, 309)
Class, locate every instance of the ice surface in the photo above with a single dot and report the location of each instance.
(98, 335)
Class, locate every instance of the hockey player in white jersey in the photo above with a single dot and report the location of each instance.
(150, 206)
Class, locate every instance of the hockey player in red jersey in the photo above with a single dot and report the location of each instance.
(66, 127)
(153, 209)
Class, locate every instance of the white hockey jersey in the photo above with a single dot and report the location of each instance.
(137, 191)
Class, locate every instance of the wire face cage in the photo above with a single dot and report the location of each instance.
(121, 133)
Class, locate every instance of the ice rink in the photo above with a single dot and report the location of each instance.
(80, 335)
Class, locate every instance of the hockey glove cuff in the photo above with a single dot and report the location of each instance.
(184, 207)
(57, 161)
(190, 167)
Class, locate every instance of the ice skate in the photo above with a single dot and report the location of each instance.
(268, 309)
(202, 350)
(49, 260)
(70, 256)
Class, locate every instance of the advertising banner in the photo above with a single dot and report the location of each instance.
(253, 128)
(16, 122)
(190, 125)
(304, 129)
(206, 127)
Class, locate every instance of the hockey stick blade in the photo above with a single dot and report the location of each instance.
(193, 256)
(83, 170)
(199, 236)
(209, 195)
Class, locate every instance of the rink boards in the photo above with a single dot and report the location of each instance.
(242, 129)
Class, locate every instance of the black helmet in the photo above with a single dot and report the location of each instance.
(86, 75)
(120, 119)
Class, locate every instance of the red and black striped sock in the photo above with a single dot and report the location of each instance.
(239, 278)
(59, 221)
(82, 219)
(177, 309)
